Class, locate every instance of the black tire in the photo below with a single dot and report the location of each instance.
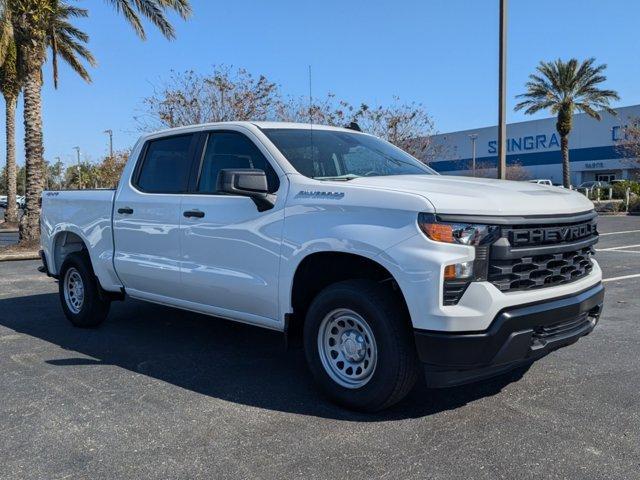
(397, 366)
(93, 309)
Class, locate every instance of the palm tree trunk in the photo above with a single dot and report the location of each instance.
(11, 214)
(34, 149)
(566, 169)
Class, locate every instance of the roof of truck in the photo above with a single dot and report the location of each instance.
(265, 125)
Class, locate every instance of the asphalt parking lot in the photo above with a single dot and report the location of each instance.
(160, 393)
(6, 238)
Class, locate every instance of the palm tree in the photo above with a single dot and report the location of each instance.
(65, 41)
(564, 88)
(31, 21)
(10, 87)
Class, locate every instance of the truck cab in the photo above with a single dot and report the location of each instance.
(385, 269)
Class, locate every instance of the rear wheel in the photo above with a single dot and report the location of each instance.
(359, 346)
(79, 292)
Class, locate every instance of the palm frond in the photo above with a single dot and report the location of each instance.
(9, 74)
(53, 41)
(152, 10)
(155, 14)
(182, 7)
(70, 53)
(68, 42)
(6, 31)
(71, 11)
(533, 106)
(124, 7)
(588, 109)
(70, 30)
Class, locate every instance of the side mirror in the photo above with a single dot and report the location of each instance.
(247, 182)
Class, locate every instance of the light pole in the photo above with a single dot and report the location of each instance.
(502, 93)
(473, 137)
(110, 133)
(77, 149)
(56, 166)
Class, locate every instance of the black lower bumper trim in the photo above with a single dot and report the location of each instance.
(517, 335)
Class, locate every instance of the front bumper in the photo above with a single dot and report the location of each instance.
(517, 335)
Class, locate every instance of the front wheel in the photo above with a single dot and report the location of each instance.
(79, 292)
(359, 346)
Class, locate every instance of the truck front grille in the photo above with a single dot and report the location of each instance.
(540, 270)
(538, 256)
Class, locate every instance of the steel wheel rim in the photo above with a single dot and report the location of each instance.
(73, 290)
(347, 348)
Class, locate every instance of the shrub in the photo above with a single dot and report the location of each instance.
(620, 188)
(609, 207)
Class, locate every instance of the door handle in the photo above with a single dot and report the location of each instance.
(125, 211)
(193, 213)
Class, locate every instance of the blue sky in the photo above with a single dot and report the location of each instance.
(442, 53)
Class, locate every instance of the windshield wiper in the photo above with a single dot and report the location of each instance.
(346, 178)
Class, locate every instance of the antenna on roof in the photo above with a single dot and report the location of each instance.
(311, 117)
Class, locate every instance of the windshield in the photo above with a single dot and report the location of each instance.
(336, 155)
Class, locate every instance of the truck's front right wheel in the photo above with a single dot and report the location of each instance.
(358, 345)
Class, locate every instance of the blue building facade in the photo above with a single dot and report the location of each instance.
(594, 152)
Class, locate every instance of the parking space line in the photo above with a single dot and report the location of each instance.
(623, 247)
(623, 277)
(618, 251)
(619, 233)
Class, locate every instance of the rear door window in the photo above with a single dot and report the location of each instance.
(166, 164)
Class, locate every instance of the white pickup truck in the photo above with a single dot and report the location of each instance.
(383, 267)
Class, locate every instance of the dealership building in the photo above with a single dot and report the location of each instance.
(535, 145)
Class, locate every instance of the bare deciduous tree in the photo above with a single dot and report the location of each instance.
(406, 125)
(226, 94)
(515, 171)
(324, 111)
(629, 144)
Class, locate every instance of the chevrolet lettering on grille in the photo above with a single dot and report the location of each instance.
(541, 235)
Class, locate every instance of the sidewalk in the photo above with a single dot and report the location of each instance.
(26, 255)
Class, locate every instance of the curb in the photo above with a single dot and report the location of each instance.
(3, 230)
(7, 257)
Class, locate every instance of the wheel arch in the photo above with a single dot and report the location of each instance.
(319, 269)
(64, 243)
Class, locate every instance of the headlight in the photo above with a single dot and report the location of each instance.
(458, 276)
(461, 233)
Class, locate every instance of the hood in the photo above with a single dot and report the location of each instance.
(482, 196)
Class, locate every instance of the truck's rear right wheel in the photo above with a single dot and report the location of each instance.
(358, 345)
(79, 292)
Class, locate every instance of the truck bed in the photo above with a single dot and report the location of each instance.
(71, 216)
